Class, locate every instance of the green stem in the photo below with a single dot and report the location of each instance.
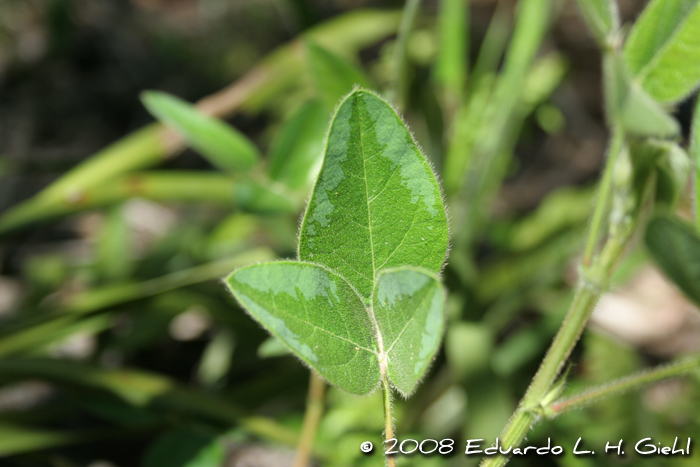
(629, 383)
(388, 418)
(400, 82)
(314, 411)
(594, 276)
(603, 201)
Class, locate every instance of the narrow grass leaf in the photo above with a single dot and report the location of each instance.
(663, 49)
(224, 146)
(334, 76)
(376, 203)
(298, 147)
(451, 64)
(675, 246)
(17, 439)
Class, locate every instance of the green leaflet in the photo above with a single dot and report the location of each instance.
(322, 319)
(663, 49)
(317, 314)
(364, 303)
(675, 246)
(220, 143)
(638, 112)
(376, 203)
(408, 308)
(602, 17)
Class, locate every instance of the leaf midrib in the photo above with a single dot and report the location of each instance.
(381, 356)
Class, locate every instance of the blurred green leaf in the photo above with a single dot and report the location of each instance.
(16, 439)
(224, 146)
(272, 347)
(668, 163)
(663, 49)
(631, 105)
(517, 351)
(216, 359)
(114, 255)
(675, 246)
(602, 17)
(467, 348)
(185, 447)
(566, 207)
(297, 149)
(334, 76)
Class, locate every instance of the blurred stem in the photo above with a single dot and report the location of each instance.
(312, 417)
(695, 153)
(388, 418)
(97, 299)
(604, 194)
(629, 383)
(401, 77)
(168, 186)
(594, 275)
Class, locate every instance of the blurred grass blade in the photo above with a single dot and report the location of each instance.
(493, 45)
(452, 59)
(295, 154)
(663, 49)
(33, 338)
(276, 74)
(165, 186)
(224, 146)
(17, 439)
(142, 388)
(602, 18)
(675, 246)
(333, 76)
(398, 92)
(114, 294)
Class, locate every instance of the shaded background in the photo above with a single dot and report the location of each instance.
(71, 72)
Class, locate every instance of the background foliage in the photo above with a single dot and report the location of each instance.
(120, 346)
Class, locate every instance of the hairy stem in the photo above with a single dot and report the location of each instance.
(312, 417)
(622, 385)
(594, 275)
(388, 418)
(603, 201)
